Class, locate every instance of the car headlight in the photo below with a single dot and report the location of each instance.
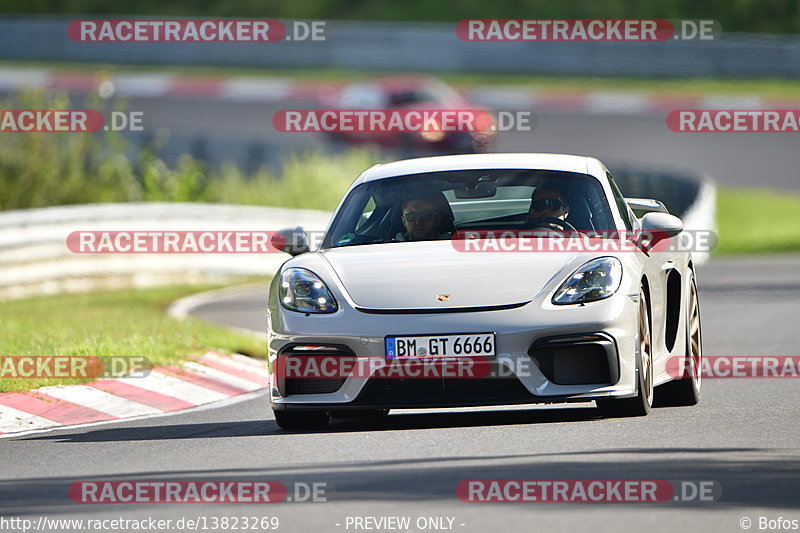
(595, 280)
(302, 291)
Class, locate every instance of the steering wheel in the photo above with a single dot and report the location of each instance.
(549, 223)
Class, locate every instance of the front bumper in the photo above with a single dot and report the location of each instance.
(544, 354)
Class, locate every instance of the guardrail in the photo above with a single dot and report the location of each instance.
(419, 46)
(34, 258)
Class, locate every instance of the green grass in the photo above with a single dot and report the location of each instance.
(311, 180)
(111, 323)
(778, 88)
(45, 169)
(757, 221)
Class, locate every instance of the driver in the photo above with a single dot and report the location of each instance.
(421, 218)
(547, 202)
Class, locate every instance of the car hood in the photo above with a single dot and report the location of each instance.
(413, 275)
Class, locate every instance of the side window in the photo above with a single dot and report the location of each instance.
(622, 205)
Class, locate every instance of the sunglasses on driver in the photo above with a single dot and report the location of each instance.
(424, 216)
(547, 204)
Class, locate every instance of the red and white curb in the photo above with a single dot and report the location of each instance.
(211, 378)
(163, 85)
(263, 89)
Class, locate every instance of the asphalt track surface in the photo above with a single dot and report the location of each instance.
(743, 435)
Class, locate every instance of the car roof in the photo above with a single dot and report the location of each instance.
(563, 162)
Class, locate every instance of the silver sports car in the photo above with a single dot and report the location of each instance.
(488, 279)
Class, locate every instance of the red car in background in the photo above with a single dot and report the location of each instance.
(407, 93)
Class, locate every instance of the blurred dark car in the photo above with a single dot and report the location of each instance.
(417, 93)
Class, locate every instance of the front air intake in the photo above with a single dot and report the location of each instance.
(312, 385)
(577, 359)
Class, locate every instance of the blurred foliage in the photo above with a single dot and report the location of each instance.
(44, 169)
(752, 220)
(311, 180)
(770, 16)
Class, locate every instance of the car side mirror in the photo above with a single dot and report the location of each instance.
(660, 226)
(292, 240)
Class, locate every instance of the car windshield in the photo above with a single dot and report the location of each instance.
(386, 210)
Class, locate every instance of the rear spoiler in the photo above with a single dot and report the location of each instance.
(646, 205)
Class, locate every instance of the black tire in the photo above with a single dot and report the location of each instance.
(301, 419)
(685, 391)
(640, 404)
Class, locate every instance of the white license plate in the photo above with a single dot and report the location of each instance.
(476, 344)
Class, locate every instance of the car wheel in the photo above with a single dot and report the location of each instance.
(639, 405)
(301, 419)
(686, 390)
